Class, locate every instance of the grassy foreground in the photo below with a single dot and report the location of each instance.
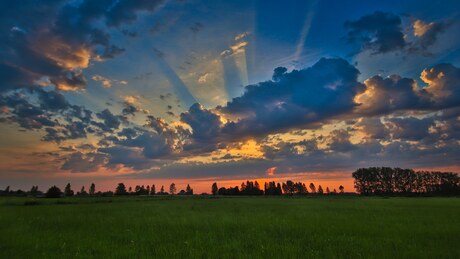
(250, 227)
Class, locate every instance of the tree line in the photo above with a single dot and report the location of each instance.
(271, 188)
(247, 188)
(367, 181)
(397, 181)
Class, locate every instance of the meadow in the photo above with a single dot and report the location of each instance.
(230, 227)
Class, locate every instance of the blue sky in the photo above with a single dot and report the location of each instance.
(107, 89)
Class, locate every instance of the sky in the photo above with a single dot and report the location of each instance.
(196, 92)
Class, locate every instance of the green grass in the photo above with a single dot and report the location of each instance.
(239, 227)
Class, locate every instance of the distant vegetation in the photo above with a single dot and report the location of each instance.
(397, 181)
(367, 181)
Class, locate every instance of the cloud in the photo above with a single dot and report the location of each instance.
(79, 162)
(107, 83)
(385, 95)
(241, 36)
(206, 128)
(427, 33)
(394, 93)
(298, 99)
(379, 32)
(237, 47)
(110, 121)
(383, 32)
(57, 40)
(443, 85)
(271, 171)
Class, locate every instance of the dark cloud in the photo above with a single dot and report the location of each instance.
(298, 99)
(380, 32)
(409, 128)
(55, 40)
(373, 128)
(385, 95)
(128, 157)
(426, 34)
(79, 162)
(129, 109)
(205, 124)
(443, 85)
(110, 121)
(339, 141)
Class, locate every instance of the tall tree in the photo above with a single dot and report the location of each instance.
(288, 187)
(162, 190)
(320, 189)
(68, 190)
(341, 189)
(312, 187)
(121, 189)
(189, 190)
(83, 191)
(172, 188)
(327, 190)
(92, 189)
(152, 190)
(214, 189)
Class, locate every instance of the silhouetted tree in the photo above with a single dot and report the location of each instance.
(327, 190)
(278, 187)
(172, 189)
(320, 189)
(162, 191)
(130, 190)
(256, 185)
(121, 189)
(7, 189)
(53, 192)
(312, 188)
(82, 191)
(34, 190)
(152, 190)
(68, 190)
(390, 181)
(243, 186)
(140, 190)
(271, 188)
(341, 189)
(92, 189)
(229, 191)
(188, 190)
(288, 187)
(214, 189)
(251, 188)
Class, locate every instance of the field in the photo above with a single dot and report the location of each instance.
(249, 227)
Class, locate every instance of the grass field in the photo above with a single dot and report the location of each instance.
(249, 227)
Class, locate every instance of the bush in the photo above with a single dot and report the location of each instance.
(53, 192)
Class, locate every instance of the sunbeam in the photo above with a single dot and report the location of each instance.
(178, 85)
(305, 29)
